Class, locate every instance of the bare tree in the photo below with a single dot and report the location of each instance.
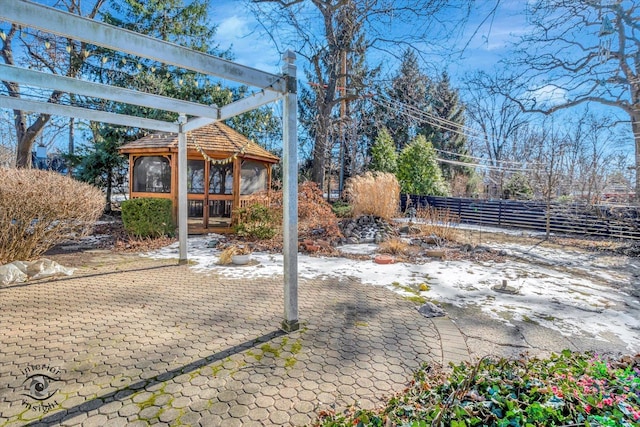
(579, 52)
(589, 156)
(498, 120)
(325, 32)
(549, 153)
(22, 46)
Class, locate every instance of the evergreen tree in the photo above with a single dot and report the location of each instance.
(172, 21)
(418, 169)
(408, 93)
(446, 131)
(100, 163)
(384, 157)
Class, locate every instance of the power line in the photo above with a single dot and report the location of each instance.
(429, 118)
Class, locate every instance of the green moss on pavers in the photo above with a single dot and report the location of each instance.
(290, 362)
(296, 346)
(146, 403)
(257, 356)
(267, 348)
(215, 369)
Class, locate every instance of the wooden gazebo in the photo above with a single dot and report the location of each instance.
(223, 169)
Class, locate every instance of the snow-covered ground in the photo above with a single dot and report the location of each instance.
(572, 292)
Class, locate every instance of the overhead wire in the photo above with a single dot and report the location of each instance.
(448, 125)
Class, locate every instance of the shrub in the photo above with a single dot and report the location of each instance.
(517, 187)
(342, 209)
(569, 389)
(437, 222)
(375, 194)
(418, 169)
(258, 221)
(39, 209)
(148, 217)
(315, 217)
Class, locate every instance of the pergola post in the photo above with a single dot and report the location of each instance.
(182, 190)
(290, 195)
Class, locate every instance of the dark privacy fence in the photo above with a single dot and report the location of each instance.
(600, 220)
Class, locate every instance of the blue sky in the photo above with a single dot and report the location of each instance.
(486, 43)
(238, 28)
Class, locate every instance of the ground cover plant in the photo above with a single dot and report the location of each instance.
(566, 389)
(39, 209)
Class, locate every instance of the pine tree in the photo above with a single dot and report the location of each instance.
(408, 92)
(418, 169)
(384, 157)
(447, 131)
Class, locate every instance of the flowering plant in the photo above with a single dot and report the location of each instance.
(565, 389)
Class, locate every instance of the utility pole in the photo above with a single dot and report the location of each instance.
(343, 116)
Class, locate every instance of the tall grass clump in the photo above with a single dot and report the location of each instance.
(375, 194)
(437, 222)
(39, 209)
(394, 246)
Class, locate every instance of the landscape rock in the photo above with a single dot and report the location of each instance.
(429, 309)
(366, 229)
(409, 229)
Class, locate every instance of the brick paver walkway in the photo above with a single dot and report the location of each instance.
(144, 341)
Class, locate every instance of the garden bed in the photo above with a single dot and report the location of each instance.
(566, 389)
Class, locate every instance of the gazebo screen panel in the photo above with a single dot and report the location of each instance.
(195, 176)
(253, 177)
(220, 212)
(152, 174)
(221, 179)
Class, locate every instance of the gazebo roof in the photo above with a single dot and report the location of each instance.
(216, 139)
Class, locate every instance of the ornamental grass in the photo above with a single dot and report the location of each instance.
(437, 222)
(373, 193)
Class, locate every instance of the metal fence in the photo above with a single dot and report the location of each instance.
(569, 218)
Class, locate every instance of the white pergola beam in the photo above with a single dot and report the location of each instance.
(183, 226)
(86, 114)
(235, 108)
(101, 34)
(97, 90)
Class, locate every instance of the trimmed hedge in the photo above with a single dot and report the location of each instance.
(148, 217)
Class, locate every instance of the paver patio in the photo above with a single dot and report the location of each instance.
(139, 341)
